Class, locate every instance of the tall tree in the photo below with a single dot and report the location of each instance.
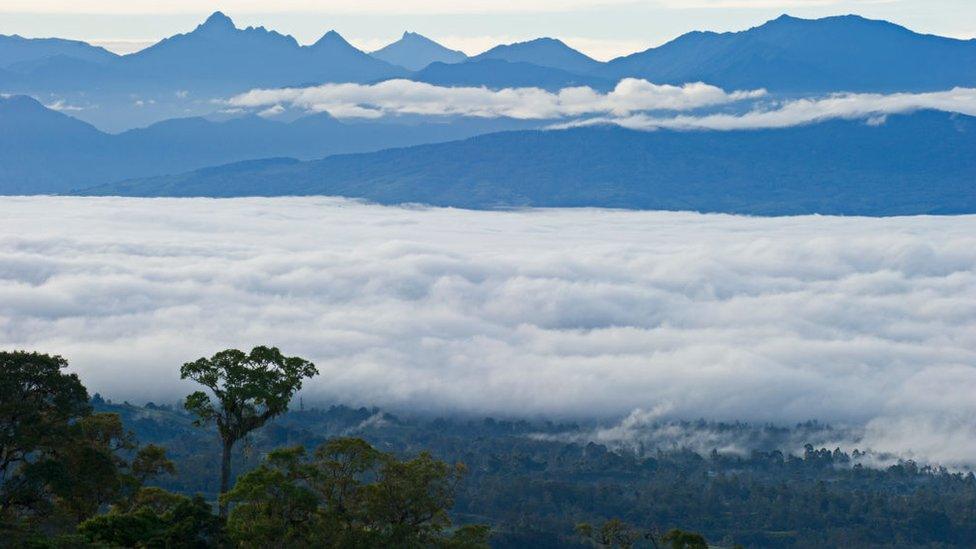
(249, 388)
(38, 405)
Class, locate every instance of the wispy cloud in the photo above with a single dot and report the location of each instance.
(63, 106)
(408, 97)
(633, 103)
(872, 107)
(863, 321)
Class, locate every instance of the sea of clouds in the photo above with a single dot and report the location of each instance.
(581, 313)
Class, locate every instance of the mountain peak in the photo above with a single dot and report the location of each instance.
(415, 51)
(545, 52)
(332, 38)
(545, 40)
(217, 22)
(20, 103)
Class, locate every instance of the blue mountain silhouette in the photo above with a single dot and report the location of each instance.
(16, 49)
(43, 151)
(414, 52)
(912, 164)
(544, 52)
(844, 53)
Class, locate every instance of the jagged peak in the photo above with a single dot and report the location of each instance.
(217, 21)
(332, 37)
(786, 19)
(416, 38)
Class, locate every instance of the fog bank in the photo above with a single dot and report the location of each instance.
(580, 313)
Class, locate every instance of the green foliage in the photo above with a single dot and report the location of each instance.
(613, 533)
(347, 495)
(155, 518)
(150, 462)
(469, 536)
(679, 539)
(250, 388)
(38, 404)
(60, 463)
(89, 470)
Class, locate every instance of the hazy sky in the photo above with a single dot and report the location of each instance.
(602, 28)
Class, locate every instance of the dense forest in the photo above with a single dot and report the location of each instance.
(80, 470)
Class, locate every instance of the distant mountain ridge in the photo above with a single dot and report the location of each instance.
(414, 52)
(16, 49)
(184, 74)
(216, 56)
(43, 151)
(544, 52)
(843, 53)
(920, 163)
(255, 56)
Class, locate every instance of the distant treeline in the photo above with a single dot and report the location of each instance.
(74, 474)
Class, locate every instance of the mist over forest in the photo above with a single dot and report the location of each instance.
(858, 322)
(708, 282)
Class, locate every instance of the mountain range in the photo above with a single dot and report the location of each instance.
(216, 56)
(187, 74)
(920, 163)
(16, 50)
(905, 164)
(43, 151)
(844, 53)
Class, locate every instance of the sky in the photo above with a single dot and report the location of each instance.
(601, 28)
(866, 321)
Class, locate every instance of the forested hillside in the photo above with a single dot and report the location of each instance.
(533, 491)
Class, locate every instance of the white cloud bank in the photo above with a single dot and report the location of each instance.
(633, 103)
(587, 313)
(394, 97)
(870, 106)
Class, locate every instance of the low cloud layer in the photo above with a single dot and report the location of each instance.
(634, 103)
(869, 106)
(393, 97)
(581, 313)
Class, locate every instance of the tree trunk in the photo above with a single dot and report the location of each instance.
(225, 477)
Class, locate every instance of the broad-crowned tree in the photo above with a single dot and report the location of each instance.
(249, 389)
(60, 463)
(38, 405)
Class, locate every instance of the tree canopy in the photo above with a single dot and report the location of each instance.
(348, 494)
(249, 388)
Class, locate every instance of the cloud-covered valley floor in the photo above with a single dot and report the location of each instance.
(578, 313)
